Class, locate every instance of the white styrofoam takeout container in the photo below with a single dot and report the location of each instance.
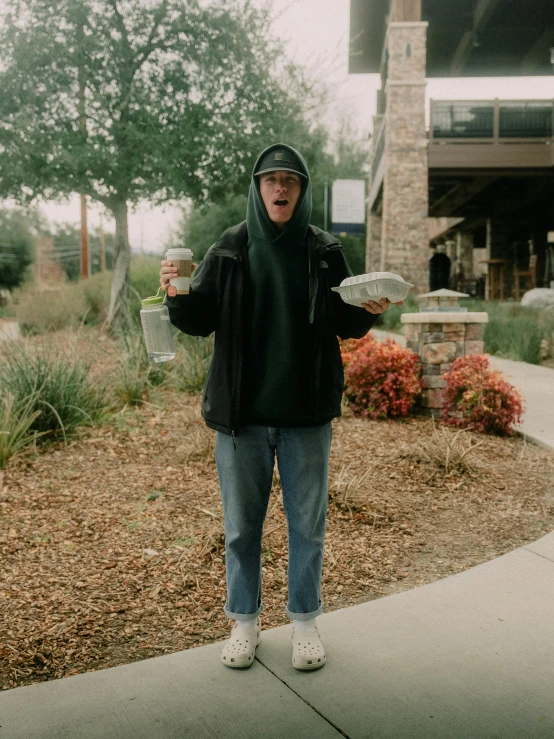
(373, 286)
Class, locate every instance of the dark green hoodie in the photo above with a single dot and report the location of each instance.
(279, 342)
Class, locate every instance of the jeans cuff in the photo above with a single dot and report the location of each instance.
(305, 616)
(237, 616)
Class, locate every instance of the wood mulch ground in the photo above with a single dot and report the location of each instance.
(112, 548)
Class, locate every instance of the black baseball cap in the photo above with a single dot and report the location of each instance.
(282, 160)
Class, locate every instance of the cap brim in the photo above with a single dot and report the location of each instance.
(279, 169)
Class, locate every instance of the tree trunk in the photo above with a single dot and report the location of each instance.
(119, 298)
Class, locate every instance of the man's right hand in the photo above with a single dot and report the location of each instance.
(169, 272)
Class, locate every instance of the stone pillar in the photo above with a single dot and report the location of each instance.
(440, 338)
(465, 252)
(374, 221)
(405, 193)
(373, 245)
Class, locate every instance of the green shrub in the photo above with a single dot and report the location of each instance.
(145, 279)
(96, 292)
(16, 420)
(518, 338)
(135, 375)
(514, 331)
(190, 367)
(7, 311)
(57, 384)
(40, 310)
(130, 383)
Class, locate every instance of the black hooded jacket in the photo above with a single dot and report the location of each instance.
(217, 303)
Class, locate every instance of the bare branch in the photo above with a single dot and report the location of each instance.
(149, 47)
(122, 28)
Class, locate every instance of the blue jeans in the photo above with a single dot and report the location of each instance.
(245, 477)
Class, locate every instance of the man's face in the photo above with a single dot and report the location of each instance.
(280, 191)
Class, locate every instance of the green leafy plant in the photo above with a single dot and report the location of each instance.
(40, 310)
(517, 337)
(515, 331)
(479, 397)
(58, 386)
(16, 420)
(191, 365)
(131, 380)
(382, 380)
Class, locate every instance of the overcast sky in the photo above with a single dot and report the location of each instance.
(316, 33)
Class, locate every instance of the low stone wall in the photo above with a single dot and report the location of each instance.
(439, 338)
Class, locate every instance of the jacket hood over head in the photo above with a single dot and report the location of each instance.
(260, 226)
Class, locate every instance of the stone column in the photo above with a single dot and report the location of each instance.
(439, 338)
(405, 193)
(374, 221)
(465, 251)
(373, 245)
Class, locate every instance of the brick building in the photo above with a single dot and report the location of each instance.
(481, 177)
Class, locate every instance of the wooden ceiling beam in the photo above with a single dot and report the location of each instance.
(484, 10)
(453, 200)
(538, 52)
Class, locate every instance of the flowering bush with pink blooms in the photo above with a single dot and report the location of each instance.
(479, 397)
(382, 380)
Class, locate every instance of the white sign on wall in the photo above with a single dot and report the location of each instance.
(348, 210)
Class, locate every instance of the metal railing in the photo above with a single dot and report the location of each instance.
(492, 120)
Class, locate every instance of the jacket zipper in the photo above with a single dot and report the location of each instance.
(318, 255)
(236, 409)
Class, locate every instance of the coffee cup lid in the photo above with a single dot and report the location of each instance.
(179, 250)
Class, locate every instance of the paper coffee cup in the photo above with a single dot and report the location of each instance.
(181, 258)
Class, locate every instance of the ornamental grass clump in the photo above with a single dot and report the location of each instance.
(56, 385)
(479, 397)
(382, 380)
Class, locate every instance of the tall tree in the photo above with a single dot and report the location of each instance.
(179, 95)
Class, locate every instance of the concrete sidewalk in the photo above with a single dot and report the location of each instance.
(536, 385)
(467, 657)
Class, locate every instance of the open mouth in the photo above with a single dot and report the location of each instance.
(281, 203)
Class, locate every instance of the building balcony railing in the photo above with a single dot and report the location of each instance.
(491, 134)
(492, 120)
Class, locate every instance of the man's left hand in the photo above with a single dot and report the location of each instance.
(379, 306)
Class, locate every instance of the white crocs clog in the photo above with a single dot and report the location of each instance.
(307, 650)
(239, 651)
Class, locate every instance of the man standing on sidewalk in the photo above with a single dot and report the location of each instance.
(274, 385)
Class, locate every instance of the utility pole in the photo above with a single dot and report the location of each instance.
(85, 257)
(102, 245)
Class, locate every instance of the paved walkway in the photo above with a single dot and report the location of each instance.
(467, 657)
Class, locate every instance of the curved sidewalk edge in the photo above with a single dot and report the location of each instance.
(536, 385)
(467, 657)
